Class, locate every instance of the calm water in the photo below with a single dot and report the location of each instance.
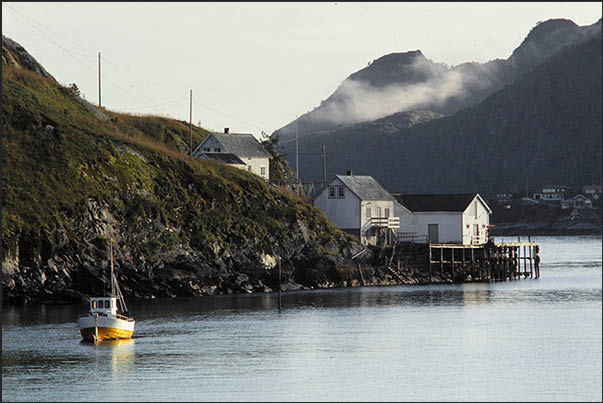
(520, 340)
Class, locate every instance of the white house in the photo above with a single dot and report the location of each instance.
(443, 218)
(359, 206)
(593, 192)
(577, 202)
(245, 146)
(552, 193)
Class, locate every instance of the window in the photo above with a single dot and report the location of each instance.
(217, 149)
(340, 192)
(368, 212)
(378, 211)
(331, 192)
(207, 149)
(386, 214)
(263, 171)
(93, 304)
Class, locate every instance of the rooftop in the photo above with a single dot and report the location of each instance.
(435, 202)
(243, 145)
(365, 187)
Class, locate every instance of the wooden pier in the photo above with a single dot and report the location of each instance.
(488, 262)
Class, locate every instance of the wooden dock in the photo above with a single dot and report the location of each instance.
(488, 262)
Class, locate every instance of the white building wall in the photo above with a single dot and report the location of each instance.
(343, 213)
(417, 224)
(255, 165)
(475, 214)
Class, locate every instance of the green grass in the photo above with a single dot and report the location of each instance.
(135, 165)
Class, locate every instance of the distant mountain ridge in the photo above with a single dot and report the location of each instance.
(543, 128)
(403, 82)
(549, 97)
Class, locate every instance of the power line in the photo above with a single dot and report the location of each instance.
(15, 12)
(71, 53)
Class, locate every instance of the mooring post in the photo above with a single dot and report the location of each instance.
(279, 284)
(442, 263)
(525, 263)
(531, 274)
(429, 246)
(463, 266)
(473, 264)
(452, 263)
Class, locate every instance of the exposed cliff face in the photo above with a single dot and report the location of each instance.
(16, 56)
(74, 179)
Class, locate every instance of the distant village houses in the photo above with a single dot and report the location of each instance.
(593, 192)
(242, 151)
(554, 193)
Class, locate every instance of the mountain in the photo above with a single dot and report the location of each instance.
(75, 176)
(543, 128)
(405, 82)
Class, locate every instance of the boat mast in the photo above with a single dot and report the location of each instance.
(115, 290)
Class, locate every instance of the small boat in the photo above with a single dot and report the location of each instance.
(108, 318)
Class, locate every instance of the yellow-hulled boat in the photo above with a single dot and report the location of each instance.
(108, 318)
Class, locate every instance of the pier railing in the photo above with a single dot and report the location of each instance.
(385, 222)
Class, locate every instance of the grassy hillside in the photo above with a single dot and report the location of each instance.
(133, 165)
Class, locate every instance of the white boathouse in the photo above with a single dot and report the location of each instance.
(443, 218)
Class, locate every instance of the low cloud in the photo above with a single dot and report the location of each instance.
(357, 101)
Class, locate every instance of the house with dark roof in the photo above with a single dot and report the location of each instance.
(244, 146)
(360, 206)
(227, 158)
(443, 218)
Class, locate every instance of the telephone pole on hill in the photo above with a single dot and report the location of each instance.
(99, 81)
(190, 127)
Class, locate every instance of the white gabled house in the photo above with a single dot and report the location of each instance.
(246, 147)
(443, 218)
(359, 206)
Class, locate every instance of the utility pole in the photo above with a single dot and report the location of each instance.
(297, 151)
(190, 126)
(324, 166)
(99, 80)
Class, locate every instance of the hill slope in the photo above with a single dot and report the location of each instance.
(73, 176)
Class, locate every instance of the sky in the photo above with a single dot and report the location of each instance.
(254, 67)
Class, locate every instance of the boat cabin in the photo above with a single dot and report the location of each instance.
(104, 305)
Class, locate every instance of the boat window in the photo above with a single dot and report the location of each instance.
(107, 303)
(93, 304)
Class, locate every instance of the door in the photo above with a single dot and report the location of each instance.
(433, 233)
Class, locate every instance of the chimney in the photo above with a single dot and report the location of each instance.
(349, 173)
(226, 130)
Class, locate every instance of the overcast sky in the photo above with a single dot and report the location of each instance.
(256, 66)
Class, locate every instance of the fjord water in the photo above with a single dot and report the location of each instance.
(528, 340)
